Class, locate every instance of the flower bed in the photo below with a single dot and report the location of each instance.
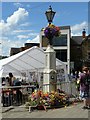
(52, 99)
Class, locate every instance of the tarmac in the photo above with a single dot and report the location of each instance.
(73, 111)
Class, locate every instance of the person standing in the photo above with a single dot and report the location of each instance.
(85, 87)
(11, 79)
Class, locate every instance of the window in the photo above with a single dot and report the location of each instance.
(60, 41)
(61, 55)
(57, 41)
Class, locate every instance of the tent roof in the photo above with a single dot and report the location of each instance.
(30, 59)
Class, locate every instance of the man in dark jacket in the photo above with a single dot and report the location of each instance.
(85, 87)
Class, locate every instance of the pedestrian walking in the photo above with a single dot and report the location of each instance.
(85, 87)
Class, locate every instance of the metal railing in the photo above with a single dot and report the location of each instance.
(15, 95)
(18, 95)
(69, 87)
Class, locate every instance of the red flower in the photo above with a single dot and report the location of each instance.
(57, 28)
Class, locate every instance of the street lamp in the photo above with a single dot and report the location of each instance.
(51, 30)
(49, 73)
(50, 14)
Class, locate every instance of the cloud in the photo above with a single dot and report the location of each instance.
(33, 34)
(4, 28)
(22, 36)
(0, 49)
(35, 40)
(17, 16)
(7, 43)
(77, 29)
(17, 4)
(14, 33)
(13, 21)
(7, 30)
(27, 35)
(28, 5)
(22, 31)
(25, 24)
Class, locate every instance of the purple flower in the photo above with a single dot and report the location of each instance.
(51, 32)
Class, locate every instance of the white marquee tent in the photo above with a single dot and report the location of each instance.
(29, 60)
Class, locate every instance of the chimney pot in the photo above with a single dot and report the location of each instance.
(83, 33)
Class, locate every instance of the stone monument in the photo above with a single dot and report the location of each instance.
(49, 73)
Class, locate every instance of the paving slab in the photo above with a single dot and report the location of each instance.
(72, 111)
(6, 109)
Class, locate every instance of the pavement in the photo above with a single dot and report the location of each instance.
(6, 109)
(72, 111)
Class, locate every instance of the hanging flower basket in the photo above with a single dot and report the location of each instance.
(52, 31)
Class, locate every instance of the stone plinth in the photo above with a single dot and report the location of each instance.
(49, 73)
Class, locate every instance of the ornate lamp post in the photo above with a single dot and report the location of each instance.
(51, 30)
(49, 79)
(50, 15)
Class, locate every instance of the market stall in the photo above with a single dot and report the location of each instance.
(26, 62)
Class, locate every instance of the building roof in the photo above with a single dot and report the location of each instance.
(88, 37)
(61, 28)
(77, 40)
(32, 59)
(31, 44)
(14, 51)
(64, 27)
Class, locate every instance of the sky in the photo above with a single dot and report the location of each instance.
(21, 22)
